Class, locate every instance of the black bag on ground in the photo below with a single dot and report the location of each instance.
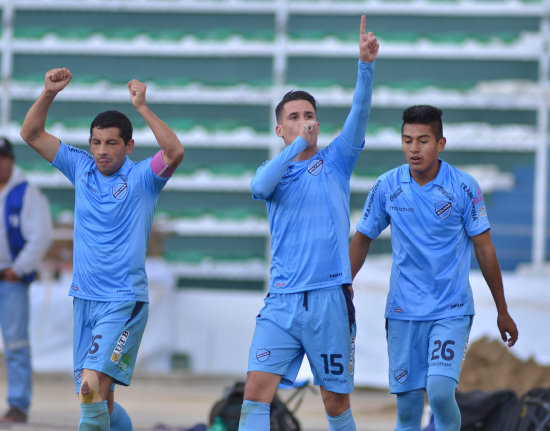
(486, 411)
(532, 412)
(229, 410)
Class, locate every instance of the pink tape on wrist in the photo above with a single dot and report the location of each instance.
(160, 167)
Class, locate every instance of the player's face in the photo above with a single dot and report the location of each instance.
(295, 115)
(421, 150)
(6, 168)
(109, 150)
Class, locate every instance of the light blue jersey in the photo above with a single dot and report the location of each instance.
(113, 218)
(431, 226)
(308, 203)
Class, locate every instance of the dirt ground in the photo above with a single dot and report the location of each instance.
(490, 366)
(177, 401)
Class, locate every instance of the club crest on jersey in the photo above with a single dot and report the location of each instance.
(115, 357)
(262, 355)
(443, 209)
(315, 167)
(120, 191)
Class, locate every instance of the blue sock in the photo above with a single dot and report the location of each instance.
(410, 406)
(441, 395)
(254, 416)
(120, 421)
(94, 417)
(343, 422)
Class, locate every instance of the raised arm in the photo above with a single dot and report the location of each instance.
(355, 126)
(490, 268)
(172, 150)
(266, 179)
(33, 131)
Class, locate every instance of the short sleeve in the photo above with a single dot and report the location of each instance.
(374, 218)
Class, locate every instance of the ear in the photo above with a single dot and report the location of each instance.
(130, 146)
(279, 130)
(441, 143)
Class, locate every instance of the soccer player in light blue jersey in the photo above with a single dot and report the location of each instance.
(115, 200)
(309, 307)
(436, 213)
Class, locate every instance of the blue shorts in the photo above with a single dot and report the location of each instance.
(319, 323)
(418, 349)
(106, 338)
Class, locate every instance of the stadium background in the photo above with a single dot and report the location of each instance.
(215, 70)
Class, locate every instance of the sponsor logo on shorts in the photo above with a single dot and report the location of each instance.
(262, 355)
(352, 355)
(443, 209)
(334, 380)
(124, 362)
(120, 191)
(401, 375)
(115, 357)
(78, 375)
(441, 364)
(315, 167)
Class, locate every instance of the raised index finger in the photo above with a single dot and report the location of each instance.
(363, 28)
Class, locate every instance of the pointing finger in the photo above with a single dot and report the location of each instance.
(363, 28)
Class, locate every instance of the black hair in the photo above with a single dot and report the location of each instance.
(424, 114)
(294, 95)
(107, 119)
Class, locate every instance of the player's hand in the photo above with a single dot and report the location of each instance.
(350, 288)
(137, 92)
(309, 130)
(508, 329)
(368, 44)
(57, 79)
(10, 275)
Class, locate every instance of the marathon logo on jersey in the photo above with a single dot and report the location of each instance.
(315, 167)
(400, 375)
(115, 357)
(370, 199)
(120, 191)
(262, 355)
(443, 209)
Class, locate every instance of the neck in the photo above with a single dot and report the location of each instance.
(424, 177)
(308, 153)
